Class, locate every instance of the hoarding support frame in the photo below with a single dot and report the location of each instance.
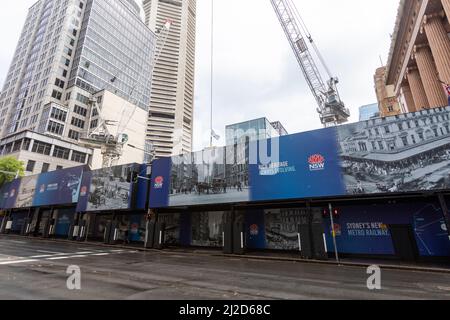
(330, 207)
(445, 212)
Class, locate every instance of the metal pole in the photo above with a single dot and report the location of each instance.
(212, 73)
(334, 234)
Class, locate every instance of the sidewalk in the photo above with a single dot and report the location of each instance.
(266, 256)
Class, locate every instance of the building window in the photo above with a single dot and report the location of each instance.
(30, 165)
(59, 167)
(380, 145)
(421, 136)
(405, 141)
(59, 83)
(45, 167)
(16, 146)
(78, 157)
(61, 153)
(83, 99)
(80, 110)
(75, 135)
(55, 128)
(387, 130)
(41, 148)
(94, 124)
(58, 114)
(390, 109)
(26, 144)
(56, 95)
(78, 123)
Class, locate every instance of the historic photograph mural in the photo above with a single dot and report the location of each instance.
(409, 152)
(26, 192)
(109, 188)
(209, 176)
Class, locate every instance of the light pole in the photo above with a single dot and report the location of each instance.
(149, 227)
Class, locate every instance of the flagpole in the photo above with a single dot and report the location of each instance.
(212, 71)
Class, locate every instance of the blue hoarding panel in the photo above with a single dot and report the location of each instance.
(58, 187)
(365, 229)
(84, 191)
(308, 166)
(160, 183)
(11, 192)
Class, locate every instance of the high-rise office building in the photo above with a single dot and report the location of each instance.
(77, 62)
(170, 126)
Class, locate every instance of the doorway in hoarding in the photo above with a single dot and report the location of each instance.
(97, 226)
(43, 219)
(207, 229)
(404, 242)
(173, 231)
(18, 221)
(64, 218)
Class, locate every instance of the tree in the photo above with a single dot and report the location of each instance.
(10, 164)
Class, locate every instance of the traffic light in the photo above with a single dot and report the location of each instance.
(325, 214)
(336, 213)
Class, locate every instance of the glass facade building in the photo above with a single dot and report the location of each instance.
(67, 51)
(114, 52)
(368, 112)
(257, 129)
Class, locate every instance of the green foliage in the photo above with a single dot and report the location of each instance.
(10, 164)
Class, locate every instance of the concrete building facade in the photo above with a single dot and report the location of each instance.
(419, 59)
(68, 53)
(171, 116)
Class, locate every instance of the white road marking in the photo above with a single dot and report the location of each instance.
(17, 262)
(57, 258)
(101, 254)
(52, 252)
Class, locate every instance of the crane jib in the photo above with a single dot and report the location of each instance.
(331, 108)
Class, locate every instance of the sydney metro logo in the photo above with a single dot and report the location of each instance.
(316, 162)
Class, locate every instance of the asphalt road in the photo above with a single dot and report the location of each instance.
(34, 269)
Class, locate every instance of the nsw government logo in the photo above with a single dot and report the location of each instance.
(159, 181)
(316, 162)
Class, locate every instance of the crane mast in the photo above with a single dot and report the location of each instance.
(331, 109)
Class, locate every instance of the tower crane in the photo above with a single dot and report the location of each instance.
(101, 137)
(331, 108)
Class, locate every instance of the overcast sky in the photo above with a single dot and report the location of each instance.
(256, 73)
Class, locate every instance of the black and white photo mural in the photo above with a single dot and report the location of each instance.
(404, 153)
